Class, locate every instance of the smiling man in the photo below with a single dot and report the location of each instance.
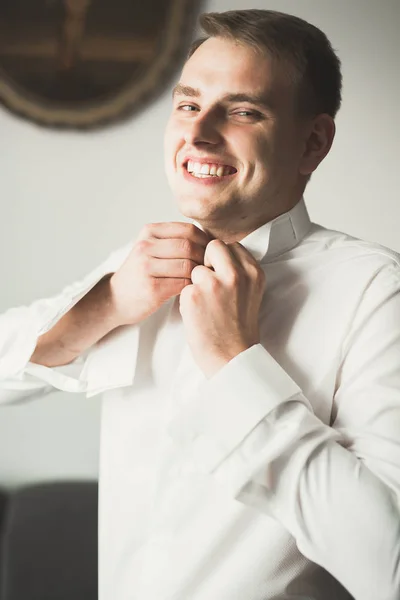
(248, 362)
(241, 127)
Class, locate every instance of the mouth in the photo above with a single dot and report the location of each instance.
(208, 170)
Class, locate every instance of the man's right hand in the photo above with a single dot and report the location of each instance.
(158, 267)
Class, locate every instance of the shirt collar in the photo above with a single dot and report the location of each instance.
(279, 235)
(113, 364)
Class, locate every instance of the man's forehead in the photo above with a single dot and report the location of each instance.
(218, 57)
(237, 72)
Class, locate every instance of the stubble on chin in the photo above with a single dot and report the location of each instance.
(209, 214)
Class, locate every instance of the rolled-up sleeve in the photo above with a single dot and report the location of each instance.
(335, 488)
(21, 327)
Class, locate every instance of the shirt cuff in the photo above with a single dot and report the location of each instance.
(109, 364)
(112, 361)
(65, 377)
(24, 325)
(230, 404)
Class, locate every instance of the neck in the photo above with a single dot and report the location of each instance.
(236, 230)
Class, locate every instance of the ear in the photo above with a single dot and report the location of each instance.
(318, 142)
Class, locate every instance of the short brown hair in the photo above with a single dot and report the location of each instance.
(289, 40)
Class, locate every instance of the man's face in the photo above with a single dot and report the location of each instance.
(233, 118)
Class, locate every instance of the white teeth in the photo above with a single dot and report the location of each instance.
(207, 169)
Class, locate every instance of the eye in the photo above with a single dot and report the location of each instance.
(249, 114)
(187, 107)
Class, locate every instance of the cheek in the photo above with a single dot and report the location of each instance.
(172, 142)
(286, 144)
(259, 157)
(256, 148)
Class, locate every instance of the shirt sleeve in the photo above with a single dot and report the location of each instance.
(21, 327)
(334, 488)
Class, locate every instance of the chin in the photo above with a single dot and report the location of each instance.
(194, 207)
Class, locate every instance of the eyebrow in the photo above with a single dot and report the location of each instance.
(186, 90)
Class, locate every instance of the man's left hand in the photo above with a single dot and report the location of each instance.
(220, 309)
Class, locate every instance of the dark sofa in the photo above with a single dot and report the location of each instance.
(48, 542)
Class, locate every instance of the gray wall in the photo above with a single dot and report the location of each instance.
(68, 199)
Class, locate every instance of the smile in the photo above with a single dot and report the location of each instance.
(198, 169)
(208, 173)
(208, 170)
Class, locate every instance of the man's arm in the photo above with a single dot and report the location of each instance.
(82, 326)
(157, 268)
(41, 344)
(29, 333)
(335, 489)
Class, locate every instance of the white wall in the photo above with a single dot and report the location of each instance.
(68, 199)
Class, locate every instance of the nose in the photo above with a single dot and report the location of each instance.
(203, 129)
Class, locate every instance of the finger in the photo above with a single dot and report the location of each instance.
(175, 229)
(172, 267)
(248, 263)
(242, 255)
(171, 286)
(220, 258)
(201, 274)
(176, 248)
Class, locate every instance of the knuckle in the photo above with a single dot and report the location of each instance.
(200, 269)
(214, 285)
(186, 266)
(254, 272)
(146, 230)
(186, 247)
(233, 278)
(142, 246)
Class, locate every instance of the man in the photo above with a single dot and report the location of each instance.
(249, 362)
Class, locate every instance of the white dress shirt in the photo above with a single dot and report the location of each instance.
(278, 477)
